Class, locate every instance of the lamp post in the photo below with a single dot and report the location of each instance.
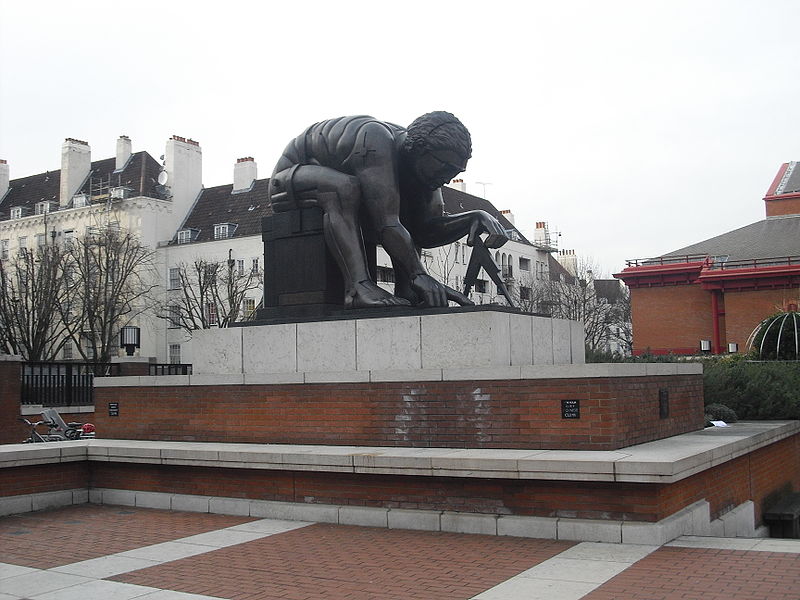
(130, 338)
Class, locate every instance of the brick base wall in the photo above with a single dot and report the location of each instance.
(756, 476)
(11, 430)
(752, 477)
(524, 414)
(35, 479)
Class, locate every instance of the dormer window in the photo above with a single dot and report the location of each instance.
(42, 208)
(224, 230)
(79, 201)
(186, 236)
(16, 212)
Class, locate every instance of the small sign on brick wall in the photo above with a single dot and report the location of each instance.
(113, 409)
(663, 403)
(570, 409)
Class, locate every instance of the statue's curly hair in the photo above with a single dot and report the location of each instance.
(438, 130)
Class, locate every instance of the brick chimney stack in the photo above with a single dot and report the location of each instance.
(123, 152)
(245, 172)
(76, 163)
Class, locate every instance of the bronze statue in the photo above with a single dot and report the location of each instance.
(359, 167)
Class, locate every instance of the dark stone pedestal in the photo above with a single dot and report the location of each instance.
(301, 277)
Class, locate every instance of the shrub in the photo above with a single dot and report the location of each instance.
(720, 412)
(754, 390)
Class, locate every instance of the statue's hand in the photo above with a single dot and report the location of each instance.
(484, 222)
(431, 292)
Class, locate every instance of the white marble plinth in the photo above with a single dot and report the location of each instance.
(455, 340)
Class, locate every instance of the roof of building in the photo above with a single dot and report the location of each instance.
(774, 237)
(140, 173)
(558, 272)
(609, 289)
(219, 204)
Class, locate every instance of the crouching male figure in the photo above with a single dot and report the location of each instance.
(360, 166)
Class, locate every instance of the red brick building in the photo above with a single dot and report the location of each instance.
(716, 292)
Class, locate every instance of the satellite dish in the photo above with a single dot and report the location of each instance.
(163, 177)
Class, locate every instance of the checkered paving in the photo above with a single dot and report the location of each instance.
(106, 552)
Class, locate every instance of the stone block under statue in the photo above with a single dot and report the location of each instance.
(460, 338)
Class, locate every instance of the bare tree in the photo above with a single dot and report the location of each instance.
(108, 277)
(30, 295)
(210, 294)
(442, 263)
(605, 318)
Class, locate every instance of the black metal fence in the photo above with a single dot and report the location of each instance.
(72, 383)
(170, 369)
(62, 383)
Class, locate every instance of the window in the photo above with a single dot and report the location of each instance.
(79, 200)
(40, 240)
(254, 269)
(69, 236)
(240, 267)
(385, 274)
(174, 354)
(524, 264)
(457, 247)
(211, 314)
(42, 208)
(174, 317)
(248, 307)
(3, 249)
(540, 270)
(174, 278)
(480, 286)
(184, 236)
(223, 230)
(524, 293)
(464, 253)
(16, 212)
(23, 246)
(66, 351)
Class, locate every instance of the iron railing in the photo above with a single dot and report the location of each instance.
(665, 260)
(757, 263)
(170, 369)
(62, 383)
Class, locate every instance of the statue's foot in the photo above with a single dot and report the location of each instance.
(367, 294)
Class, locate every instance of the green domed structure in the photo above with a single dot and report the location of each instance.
(778, 337)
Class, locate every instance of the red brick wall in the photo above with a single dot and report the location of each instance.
(614, 412)
(671, 319)
(11, 430)
(754, 476)
(745, 310)
(35, 479)
(782, 206)
(751, 477)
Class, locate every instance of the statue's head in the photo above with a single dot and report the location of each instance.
(438, 147)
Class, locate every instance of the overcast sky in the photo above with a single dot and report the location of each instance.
(633, 128)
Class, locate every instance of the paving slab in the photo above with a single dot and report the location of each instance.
(107, 590)
(105, 566)
(31, 585)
